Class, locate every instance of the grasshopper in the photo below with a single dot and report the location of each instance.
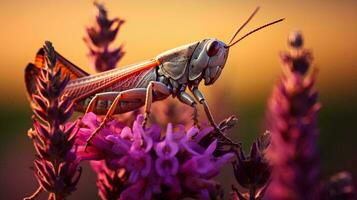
(174, 72)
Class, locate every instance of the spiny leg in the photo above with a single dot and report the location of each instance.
(107, 116)
(200, 98)
(136, 95)
(105, 96)
(158, 89)
(92, 104)
(188, 100)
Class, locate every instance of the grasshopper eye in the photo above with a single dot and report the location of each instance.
(213, 48)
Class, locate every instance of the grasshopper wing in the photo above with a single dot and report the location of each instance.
(33, 70)
(66, 66)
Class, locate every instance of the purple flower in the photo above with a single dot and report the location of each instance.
(89, 123)
(167, 164)
(56, 164)
(110, 182)
(191, 142)
(168, 147)
(144, 189)
(167, 169)
(204, 164)
(138, 164)
(252, 172)
(98, 40)
(339, 186)
(171, 166)
(291, 118)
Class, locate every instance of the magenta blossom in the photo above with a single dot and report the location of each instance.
(110, 182)
(292, 120)
(172, 166)
(89, 123)
(167, 164)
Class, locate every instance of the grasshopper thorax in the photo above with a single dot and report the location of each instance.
(191, 63)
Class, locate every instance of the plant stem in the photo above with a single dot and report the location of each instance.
(252, 193)
(35, 194)
(52, 196)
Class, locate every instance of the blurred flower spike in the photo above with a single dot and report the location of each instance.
(110, 182)
(100, 36)
(252, 172)
(172, 166)
(292, 120)
(340, 186)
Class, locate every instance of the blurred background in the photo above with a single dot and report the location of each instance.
(153, 26)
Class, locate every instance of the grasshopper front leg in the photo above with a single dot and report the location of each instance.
(158, 87)
(188, 100)
(200, 98)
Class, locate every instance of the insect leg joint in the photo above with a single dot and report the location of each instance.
(197, 94)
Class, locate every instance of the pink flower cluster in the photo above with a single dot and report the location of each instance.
(173, 165)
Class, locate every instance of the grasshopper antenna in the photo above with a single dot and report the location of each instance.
(244, 24)
(255, 30)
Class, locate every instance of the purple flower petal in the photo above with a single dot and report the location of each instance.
(179, 134)
(126, 133)
(210, 149)
(203, 133)
(148, 163)
(120, 147)
(192, 132)
(90, 120)
(154, 132)
(134, 175)
(166, 166)
(168, 147)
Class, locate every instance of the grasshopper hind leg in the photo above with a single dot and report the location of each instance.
(105, 96)
(155, 90)
(137, 96)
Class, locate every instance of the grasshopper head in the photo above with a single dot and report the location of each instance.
(208, 60)
(204, 59)
(210, 56)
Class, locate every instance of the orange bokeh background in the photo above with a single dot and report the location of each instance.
(154, 26)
